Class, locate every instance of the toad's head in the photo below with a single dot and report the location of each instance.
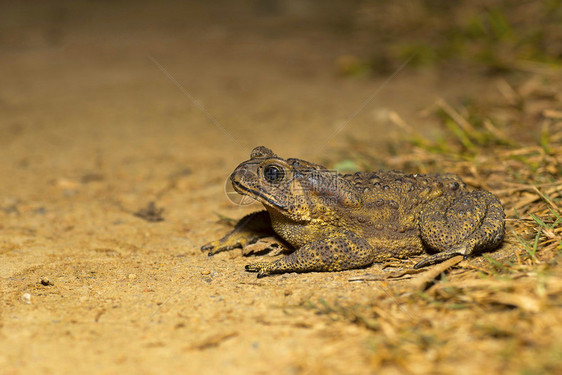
(297, 189)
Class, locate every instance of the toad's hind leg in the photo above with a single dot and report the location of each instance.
(341, 251)
(461, 226)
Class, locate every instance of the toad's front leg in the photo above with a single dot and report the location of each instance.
(343, 250)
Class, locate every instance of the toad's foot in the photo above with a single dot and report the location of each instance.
(232, 241)
(267, 245)
(247, 231)
(262, 268)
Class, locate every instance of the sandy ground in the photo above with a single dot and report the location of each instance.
(93, 127)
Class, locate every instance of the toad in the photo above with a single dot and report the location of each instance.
(339, 221)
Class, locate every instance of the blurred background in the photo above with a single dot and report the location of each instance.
(83, 78)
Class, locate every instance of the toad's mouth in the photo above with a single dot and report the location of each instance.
(258, 195)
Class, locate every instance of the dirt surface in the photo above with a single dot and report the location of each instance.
(94, 126)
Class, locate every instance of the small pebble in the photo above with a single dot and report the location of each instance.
(205, 272)
(44, 280)
(132, 276)
(26, 298)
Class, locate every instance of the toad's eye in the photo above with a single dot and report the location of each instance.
(273, 173)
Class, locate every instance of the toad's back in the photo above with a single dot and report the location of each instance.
(391, 204)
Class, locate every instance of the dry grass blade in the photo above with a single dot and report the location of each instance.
(552, 114)
(213, 340)
(425, 280)
(546, 198)
(403, 274)
(523, 302)
(461, 121)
